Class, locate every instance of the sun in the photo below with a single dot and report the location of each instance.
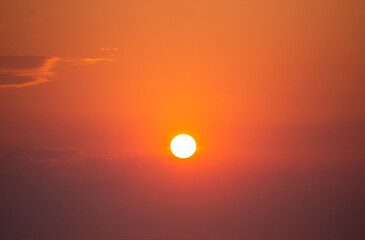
(183, 146)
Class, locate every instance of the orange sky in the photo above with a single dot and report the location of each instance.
(92, 92)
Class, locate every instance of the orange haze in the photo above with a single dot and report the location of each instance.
(92, 92)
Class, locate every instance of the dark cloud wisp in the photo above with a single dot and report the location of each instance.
(22, 71)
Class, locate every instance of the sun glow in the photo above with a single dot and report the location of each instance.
(183, 146)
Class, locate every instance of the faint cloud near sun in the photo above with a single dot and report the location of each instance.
(24, 71)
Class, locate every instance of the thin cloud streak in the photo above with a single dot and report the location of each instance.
(24, 71)
(85, 61)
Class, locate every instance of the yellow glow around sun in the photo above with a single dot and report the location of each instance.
(183, 146)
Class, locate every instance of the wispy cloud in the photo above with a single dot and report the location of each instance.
(107, 55)
(109, 51)
(62, 161)
(84, 61)
(23, 71)
(56, 156)
(57, 161)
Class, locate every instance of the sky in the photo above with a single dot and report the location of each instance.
(92, 93)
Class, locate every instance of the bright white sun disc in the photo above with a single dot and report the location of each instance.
(183, 146)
